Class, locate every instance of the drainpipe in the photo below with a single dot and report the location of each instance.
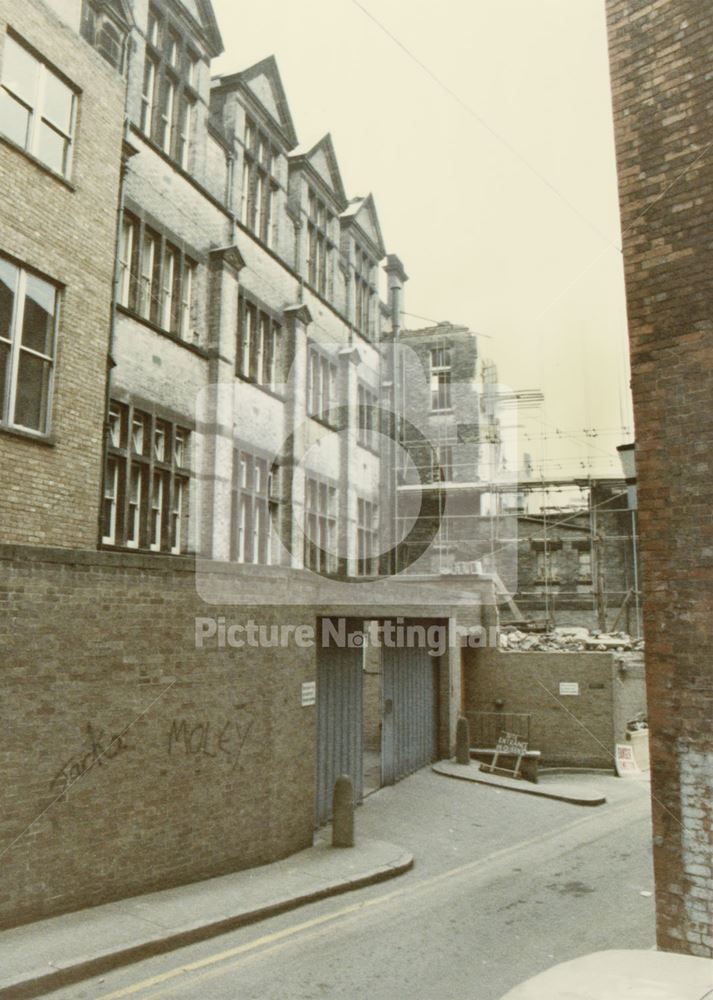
(397, 278)
(110, 363)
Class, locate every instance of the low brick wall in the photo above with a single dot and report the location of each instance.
(212, 768)
(569, 730)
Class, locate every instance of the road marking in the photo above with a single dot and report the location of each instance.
(308, 925)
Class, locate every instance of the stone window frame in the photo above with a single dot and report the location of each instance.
(37, 106)
(14, 348)
(364, 291)
(367, 422)
(169, 94)
(142, 289)
(367, 532)
(321, 221)
(322, 375)
(146, 485)
(253, 363)
(253, 505)
(259, 182)
(321, 522)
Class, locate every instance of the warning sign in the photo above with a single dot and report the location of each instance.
(511, 743)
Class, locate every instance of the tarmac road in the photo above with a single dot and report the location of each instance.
(504, 886)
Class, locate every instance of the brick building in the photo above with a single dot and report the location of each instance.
(221, 322)
(61, 108)
(579, 565)
(660, 62)
(452, 449)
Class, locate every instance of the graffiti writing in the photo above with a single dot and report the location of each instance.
(210, 738)
(98, 749)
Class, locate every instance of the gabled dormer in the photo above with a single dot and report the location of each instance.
(178, 38)
(316, 199)
(106, 25)
(252, 107)
(362, 248)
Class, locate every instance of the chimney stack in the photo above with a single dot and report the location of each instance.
(397, 279)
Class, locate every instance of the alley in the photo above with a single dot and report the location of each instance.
(503, 886)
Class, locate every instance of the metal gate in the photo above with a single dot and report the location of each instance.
(408, 735)
(339, 723)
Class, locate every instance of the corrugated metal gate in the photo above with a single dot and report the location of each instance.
(339, 723)
(408, 735)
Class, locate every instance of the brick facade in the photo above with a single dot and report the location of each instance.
(568, 730)
(660, 67)
(65, 231)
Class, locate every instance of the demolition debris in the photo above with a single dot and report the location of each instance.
(569, 640)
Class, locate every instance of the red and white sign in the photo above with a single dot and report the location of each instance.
(626, 766)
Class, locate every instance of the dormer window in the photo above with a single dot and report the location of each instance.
(319, 226)
(168, 99)
(104, 27)
(259, 182)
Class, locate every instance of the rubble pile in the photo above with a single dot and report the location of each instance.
(568, 639)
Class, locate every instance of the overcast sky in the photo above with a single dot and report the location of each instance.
(499, 197)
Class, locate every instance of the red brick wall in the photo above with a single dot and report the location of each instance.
(214, 770)
(663, 115)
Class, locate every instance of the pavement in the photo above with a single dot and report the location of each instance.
(52, 953)
(622, 975)
(546, 788)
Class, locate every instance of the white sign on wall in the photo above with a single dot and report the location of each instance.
(569, 687)
(309, 693)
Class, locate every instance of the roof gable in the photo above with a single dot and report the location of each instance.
(323, 161)
(201, 11)
(362, 213)
(264, 83)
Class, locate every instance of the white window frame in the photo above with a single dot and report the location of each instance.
(111, 489)
(36, 109)
(15, 349)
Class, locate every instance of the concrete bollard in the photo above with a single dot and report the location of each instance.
(462, 741)
(343, 812)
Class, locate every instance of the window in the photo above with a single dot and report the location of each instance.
(259, 183)
(103, 29)
(319, 226)
(320, 541)
(37, 109)
(168, 98)
(28, 320)
(442, 463)
(259, 348)
(156, 279)
(440, 378)
(546, 568)
(321, 386)
(367, 538)
(362, 292)
(368, 402)
(584, 574)
(250, 535)
(145, 482)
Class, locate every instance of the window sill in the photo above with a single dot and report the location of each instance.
(37, 162)
(48, 440)
(130, 550)
(441, 412)
(125, 311)
(368, 447)
(263, 388)
(324, 422)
